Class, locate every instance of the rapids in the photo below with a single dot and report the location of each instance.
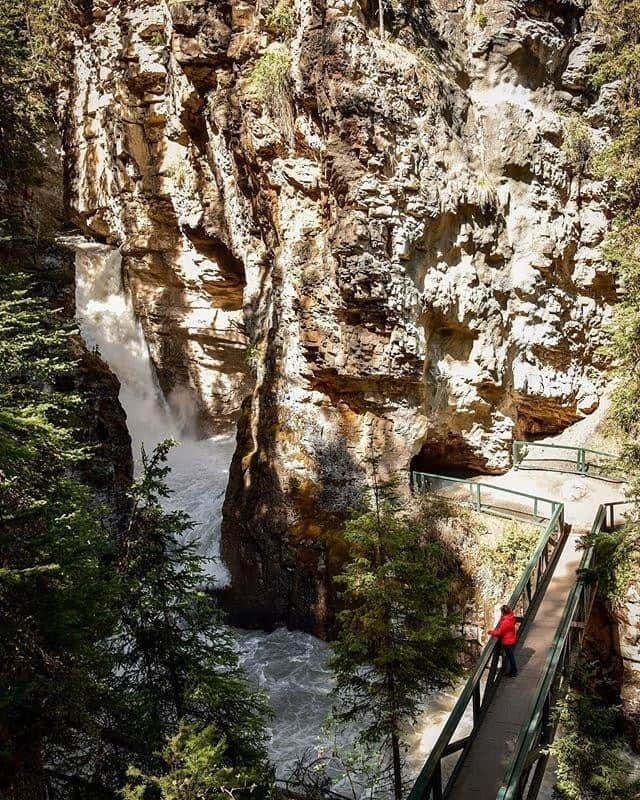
(290, 666)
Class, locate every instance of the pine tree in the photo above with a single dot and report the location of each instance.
(396, 641)
(196, 768)
(32, 61)
(178, 666)
(55, 593)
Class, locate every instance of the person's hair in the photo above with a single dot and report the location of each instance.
(505, 609)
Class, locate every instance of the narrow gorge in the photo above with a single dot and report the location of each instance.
(329, 237)
(355, 260)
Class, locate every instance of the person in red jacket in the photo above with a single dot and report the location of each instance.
(505, 631)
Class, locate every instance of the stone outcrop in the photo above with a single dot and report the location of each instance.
(104, 428)
(340, 241)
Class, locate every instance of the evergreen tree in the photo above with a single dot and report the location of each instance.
(396, 640)
(178, 664)
(56, 597)
(32, 59)
(196, 767)
(591, 761)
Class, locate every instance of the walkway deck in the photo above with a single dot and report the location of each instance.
(493, 745)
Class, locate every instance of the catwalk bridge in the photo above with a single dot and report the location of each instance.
(493, 745)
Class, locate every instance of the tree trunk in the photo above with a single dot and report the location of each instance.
(381, 17)
(397, 766)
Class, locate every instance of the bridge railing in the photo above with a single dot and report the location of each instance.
(486, 497)
(527, 766)
(436, 777)
(583, 460)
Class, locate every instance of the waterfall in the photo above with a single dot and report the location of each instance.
(290, 666)
(199, 467)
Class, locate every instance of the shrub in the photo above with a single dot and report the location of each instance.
(270, 75)
(481, 18)
(427, 55)
(487, 192)
(590, 757)
(500, 565)
(271, 83)
(156, 39)
(253, 356)
(280, 18)
(180, 174)
(577, 145)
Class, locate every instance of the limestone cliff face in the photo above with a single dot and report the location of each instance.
(334, 239)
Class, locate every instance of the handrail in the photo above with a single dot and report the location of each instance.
(582, 464)
(539, 731)
(429, 784)
(422, 480)
(573, 448)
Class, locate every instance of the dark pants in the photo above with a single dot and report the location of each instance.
(508, 651)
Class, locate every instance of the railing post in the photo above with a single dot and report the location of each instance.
(582, 461)
(515, 454)
(478, 502)
(535, 506)
(437, 782)
(546, 716)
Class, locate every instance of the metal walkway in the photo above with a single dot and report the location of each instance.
(493, 744)
(488, 756)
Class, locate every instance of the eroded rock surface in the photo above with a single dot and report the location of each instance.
(356, 240)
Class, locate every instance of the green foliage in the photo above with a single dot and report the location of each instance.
(590, 759)
(359, 770)
(577, 144)
(32, 60)
(181, 174)
(56, 597)
(481, 18)
(619, 163)
(395, 643)
(253, 356)
(195, 768)
(427, 55)
(106, 650)
(271, 83)
(487, 192)
(617, 560)
(157, 39)
(270, 74)
(280, 18)
(500, 565)
(176, 662)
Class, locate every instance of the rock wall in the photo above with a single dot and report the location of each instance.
(340, 241)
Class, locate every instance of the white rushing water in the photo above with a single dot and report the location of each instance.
(289, 666)
(199, 467)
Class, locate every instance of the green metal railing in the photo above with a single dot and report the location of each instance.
(482, 496)
(432, 784)
(526, 770)
(582, 460)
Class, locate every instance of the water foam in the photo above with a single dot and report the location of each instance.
(199, 467)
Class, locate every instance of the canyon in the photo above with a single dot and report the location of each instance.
(335, 242)
(264, 263)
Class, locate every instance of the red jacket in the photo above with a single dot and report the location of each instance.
(506, 629)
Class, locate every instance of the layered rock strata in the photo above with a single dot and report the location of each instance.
(345, 242)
